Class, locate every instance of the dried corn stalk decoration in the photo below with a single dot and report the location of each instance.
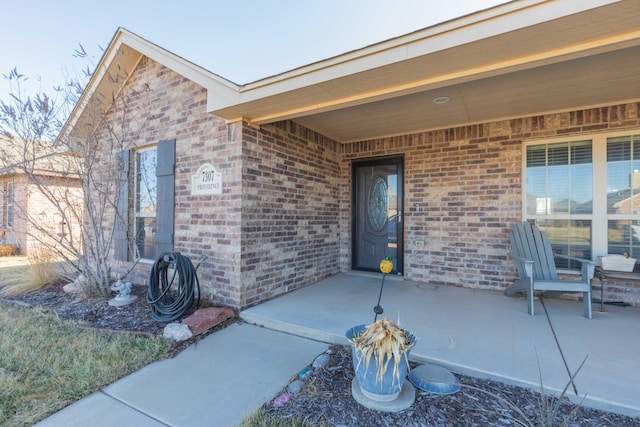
(385, 341)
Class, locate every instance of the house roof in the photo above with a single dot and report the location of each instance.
(522, 58)
(37, 157)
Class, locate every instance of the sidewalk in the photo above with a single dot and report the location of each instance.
(479, 333)
(216, 382)
(228, 375)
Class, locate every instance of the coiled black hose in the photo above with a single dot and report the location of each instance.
(170, 304)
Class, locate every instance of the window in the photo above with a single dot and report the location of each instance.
(623, 195)
(559, 194)
(151, 219)
(146, 200)
(585, 194)
(9, 204)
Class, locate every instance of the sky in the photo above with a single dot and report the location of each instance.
(242, 41)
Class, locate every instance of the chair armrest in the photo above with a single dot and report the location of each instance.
(588, 266)
(526, 263)
(522, 259)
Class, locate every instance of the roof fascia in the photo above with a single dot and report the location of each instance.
(495, 21)
(180, 65)
(137, 47)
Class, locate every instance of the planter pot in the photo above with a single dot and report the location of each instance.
(389, 388)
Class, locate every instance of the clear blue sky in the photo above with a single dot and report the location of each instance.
(242, 41)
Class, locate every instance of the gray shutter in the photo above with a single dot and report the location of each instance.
(121, 225)
(166, 196)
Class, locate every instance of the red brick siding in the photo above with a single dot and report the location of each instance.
(275, 227)
(45, 224)
(290, 225)
(283, 219)
(32, 209)
(171, 107)
(463, 191)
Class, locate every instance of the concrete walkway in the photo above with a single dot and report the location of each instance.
(231, 373)
(216, 382)
(480, 333)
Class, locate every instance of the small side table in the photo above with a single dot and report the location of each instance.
(604, 275)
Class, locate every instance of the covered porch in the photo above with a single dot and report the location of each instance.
(479, 333)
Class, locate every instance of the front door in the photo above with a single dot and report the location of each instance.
(377, 214)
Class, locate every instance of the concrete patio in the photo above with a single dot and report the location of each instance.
(479, 333)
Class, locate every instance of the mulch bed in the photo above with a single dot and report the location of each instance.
(326, 399)
(97, 313)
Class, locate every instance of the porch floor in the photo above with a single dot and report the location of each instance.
(479, 333)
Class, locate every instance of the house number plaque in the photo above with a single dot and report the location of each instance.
(207, 180)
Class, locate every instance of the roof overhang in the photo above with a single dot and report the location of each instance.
(519, 59)
(118, 62)
(522, 58)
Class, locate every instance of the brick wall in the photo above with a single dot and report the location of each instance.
(283, 218)
(463, 191)
(290, 225)
(48, 230)
(274, 228)
(164, 105)
(36, 220)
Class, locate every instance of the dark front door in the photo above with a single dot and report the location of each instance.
(377, 214)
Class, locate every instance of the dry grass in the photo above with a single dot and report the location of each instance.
(13, 276)
(21, 275)
(47, 363)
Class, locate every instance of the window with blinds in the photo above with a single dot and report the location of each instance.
(585, 194)
(623, 195)
(559, 195)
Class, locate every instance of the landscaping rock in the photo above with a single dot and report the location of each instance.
(304, 373)
(77, 286)
(283, 399)
(177, 332)
(296, 386)
(72, 288)
(206, 318)
(321, 361)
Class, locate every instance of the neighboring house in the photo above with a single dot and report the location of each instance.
(426, 147)
(30, 219)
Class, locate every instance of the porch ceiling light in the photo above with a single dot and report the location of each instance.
(440, 100)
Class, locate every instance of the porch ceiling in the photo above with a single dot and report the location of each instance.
(519, 59)
(593, 81)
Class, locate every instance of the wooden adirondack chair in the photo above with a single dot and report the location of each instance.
(532, 253)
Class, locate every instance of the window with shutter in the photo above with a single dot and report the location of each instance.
(153, 210)
(146, 201)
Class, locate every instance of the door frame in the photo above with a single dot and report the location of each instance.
(399, 162)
